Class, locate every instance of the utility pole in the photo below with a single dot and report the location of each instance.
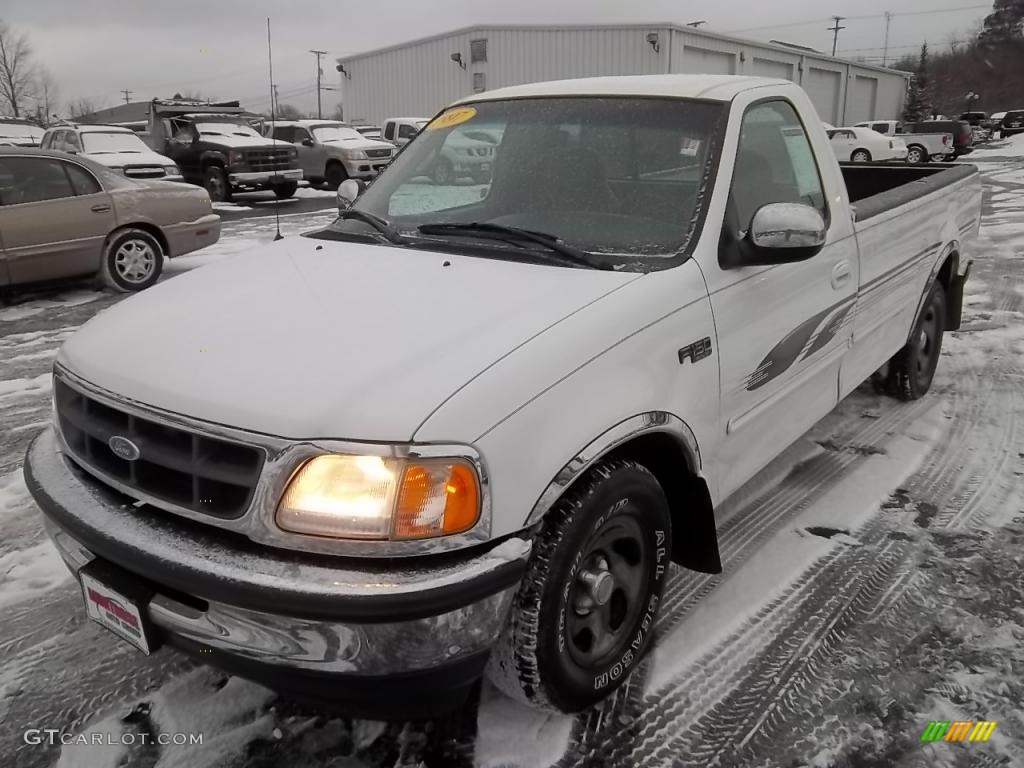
(835, 32)
(885, 51)
(126, 95)
(319, 74)
(275, 103)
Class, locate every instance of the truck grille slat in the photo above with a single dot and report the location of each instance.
(188, 469)
(376, 153)
(268, 159)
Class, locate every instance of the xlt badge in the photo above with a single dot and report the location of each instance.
(696, 351)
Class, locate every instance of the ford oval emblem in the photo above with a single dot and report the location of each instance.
(124, 448)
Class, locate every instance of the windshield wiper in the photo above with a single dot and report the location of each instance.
(568, 253)
(381, 225)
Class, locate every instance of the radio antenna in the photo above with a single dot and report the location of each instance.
(273, 120)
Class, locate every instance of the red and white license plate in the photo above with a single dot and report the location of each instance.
(120, 614)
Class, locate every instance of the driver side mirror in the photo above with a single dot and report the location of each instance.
(783, 233)
(349, 191)
(307, 142)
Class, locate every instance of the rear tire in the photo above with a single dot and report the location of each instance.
(861, 156)
(215, 180)
(132, 260)
(916, 155)
(912, 369)
(584, 614)
(286, 190)
(335, 175)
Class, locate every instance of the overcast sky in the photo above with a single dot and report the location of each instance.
(218, 47)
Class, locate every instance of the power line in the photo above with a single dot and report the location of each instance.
(835, 32)
(821, 20)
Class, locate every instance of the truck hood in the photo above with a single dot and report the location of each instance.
(121, 159)
(313, 338)
(362, 143)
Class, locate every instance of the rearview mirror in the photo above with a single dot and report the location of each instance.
(783, 233)
(348, 191)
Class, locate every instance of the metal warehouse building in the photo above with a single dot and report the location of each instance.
(420, 77)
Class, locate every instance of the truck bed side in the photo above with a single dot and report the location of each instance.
(911, 225)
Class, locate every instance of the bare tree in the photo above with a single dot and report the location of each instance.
(17, 79)
(47, 99)
(84, 106)
(287, 112)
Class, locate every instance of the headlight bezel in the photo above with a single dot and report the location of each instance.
(354, 154)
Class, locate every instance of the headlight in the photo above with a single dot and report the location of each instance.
(371, 497)
(295, 153)
(235, 157)
(172, 170)
(116, 169)
(353, 154)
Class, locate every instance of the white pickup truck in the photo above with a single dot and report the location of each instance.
(921, 147)
(469, 427)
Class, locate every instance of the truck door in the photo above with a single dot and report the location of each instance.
(782, 330)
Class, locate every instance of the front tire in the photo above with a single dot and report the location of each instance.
(861, 156)
(335, 175)
(584, 615)
(215, 180)
(132, 260)
(912, 369)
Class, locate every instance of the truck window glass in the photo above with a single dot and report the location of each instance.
(774, 163)
(389, 131)
(284, 133)
(406, 131)
(607, 174)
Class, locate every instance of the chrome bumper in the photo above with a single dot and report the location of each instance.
(374, 622)
(265, 177)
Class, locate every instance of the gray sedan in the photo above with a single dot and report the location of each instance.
(66, 216)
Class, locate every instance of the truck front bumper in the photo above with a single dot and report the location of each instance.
(374, 640)
(365, 169)
(264, 178)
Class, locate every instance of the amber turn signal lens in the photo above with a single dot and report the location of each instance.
(436, 499)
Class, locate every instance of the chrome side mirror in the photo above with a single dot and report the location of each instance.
(348, 191)
(781, 233)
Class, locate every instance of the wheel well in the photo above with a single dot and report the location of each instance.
(694, 538)
(860, 149)
(152, 229)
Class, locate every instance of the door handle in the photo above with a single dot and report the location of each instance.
(100, 208)
(841, 274)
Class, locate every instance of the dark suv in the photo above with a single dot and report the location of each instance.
(1013, 122)
(963, 134)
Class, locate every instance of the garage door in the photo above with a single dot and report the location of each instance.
(699, 61)
(863, 100)
(822, 86)
(769, 68)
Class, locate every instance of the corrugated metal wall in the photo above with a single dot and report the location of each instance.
(420, 78)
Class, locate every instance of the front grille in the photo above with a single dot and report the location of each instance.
(378, 152)
(187, 469)
(268, 159)
(144, 171)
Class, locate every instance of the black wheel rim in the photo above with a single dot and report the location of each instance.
(927, 344)
(608, 592)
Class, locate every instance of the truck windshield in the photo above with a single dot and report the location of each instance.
(98, 142)
(227, 129)
(336, 133)
(619, 177)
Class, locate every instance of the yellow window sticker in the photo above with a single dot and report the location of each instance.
(452, 117)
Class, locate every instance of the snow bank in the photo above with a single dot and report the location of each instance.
(27, 573)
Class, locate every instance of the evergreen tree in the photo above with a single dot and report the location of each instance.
(918, 105)
(1005, 23)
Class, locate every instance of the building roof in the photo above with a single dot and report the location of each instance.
(716, 87)
(651, 27)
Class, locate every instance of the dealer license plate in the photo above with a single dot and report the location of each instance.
(116, 611)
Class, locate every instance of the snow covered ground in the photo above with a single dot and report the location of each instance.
(872, 584)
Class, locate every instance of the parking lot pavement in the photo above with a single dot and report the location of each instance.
(872, 584)
(248, 205)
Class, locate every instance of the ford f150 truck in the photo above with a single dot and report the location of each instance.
(469, 428)
(215, 147)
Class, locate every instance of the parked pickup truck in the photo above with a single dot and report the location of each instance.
(469, 428)
(921, 147)
(216, 147)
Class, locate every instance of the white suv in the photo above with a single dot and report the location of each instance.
(330, 151)
(118, 148)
